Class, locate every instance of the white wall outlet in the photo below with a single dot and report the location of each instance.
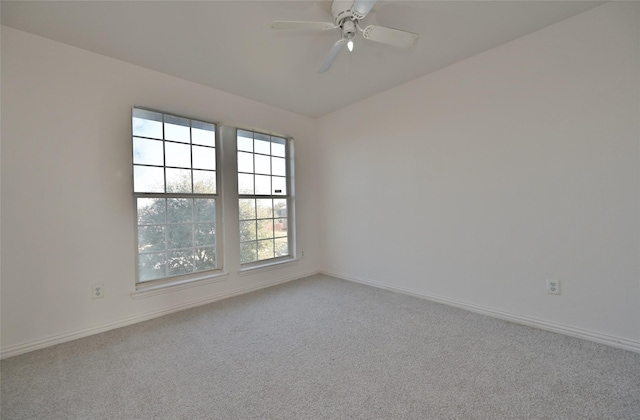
(553, 287)
(302, 254)
(96, 291)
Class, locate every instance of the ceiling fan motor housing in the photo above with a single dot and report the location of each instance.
(341, 10)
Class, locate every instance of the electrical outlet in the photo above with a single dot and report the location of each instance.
(553, 287)
(302, 253)
(96, 291)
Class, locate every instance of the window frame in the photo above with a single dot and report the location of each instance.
(289, 197)
(194, 276)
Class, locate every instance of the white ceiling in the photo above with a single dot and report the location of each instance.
(229, 45)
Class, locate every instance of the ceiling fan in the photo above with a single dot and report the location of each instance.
(347, 14)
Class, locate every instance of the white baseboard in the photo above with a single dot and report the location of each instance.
(85, 332)
(618, 342)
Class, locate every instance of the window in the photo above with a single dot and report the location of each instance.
(264, 197)
(176, 195)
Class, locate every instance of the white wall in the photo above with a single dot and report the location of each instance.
(478, 182)
(67, 204)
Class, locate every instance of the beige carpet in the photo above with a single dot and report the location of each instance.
(322, 348)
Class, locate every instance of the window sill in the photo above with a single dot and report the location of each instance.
(148, 290)
(255, 269)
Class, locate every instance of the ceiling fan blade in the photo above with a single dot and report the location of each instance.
(309, 26)
(360, 8)
(331, 56)
(390, 36)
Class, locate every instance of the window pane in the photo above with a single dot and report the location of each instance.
(280, 207)
(205, 234)
(177, 129)
(205, 210)
(263, 185)
(247, 209)
(279, 185)
(177, 154)
(179, 236)
(150, 238)
(180, 210)
(278, 166)
(265, 249)
(203, 133)
(245, 162)
(178, 180)
(204, 182)
(151, 266)
(148, 179)
(180, 262)
(204, 157)
(205, 258)
(151, 211)
(265, 208)
(280, 227)
(147, 152)
(247, 230)
(245, 184)
(248, 252)
(282, 247)
(277, 147)
(280, 213)
(146, 123)
(263, 164)
(265, 229)
(245, 141)
(262, 146)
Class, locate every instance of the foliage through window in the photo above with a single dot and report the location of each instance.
(264, 198)
(175, 189)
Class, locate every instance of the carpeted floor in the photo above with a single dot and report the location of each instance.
(323, 348)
